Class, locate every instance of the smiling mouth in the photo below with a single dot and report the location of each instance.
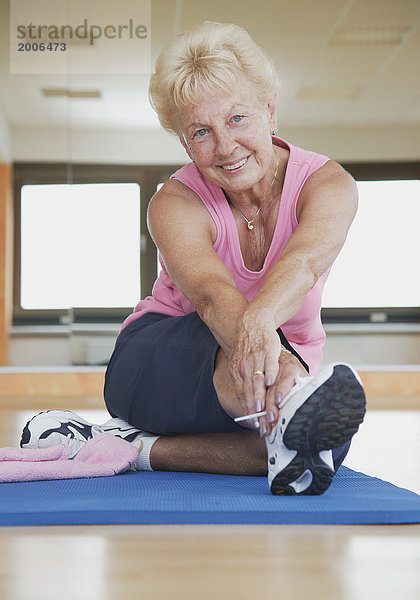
(235, 166)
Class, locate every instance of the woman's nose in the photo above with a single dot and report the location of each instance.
(225, 143)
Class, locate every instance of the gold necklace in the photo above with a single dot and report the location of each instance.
(250, 221)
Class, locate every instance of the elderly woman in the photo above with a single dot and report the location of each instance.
(247, 233)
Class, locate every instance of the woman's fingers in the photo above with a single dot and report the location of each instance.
(271, 366)
(256, 374)
(289, 368)
(258, 390)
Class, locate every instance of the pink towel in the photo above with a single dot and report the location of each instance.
(101, 456)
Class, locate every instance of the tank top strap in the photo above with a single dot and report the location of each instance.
(301, 164)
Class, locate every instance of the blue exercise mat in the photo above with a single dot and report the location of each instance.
(170, 498)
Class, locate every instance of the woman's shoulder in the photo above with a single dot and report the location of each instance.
(330, 184)
(189, 175)
(188, 170)
(307, 158)
(175, 192)
(176, 202)
(331, 170)
(315, 167)
(192, 185)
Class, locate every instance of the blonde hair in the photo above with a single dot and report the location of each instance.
(204, 59)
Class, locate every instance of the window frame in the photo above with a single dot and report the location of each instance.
(147, 176)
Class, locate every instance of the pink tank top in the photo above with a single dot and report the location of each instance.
(304, 331)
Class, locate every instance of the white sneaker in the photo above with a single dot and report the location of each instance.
(320, 413)
(53, 427)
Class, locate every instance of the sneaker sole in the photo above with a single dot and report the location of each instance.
(328, 419)
(288, 482)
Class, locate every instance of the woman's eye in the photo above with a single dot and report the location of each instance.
(237, 118)
(200, 133)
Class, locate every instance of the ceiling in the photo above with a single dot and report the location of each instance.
(341, 62)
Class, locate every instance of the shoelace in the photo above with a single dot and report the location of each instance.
(300, 382)
(75, 444)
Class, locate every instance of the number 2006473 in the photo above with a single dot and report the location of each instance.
(41, 47)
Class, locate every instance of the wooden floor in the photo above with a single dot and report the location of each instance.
(227, 562)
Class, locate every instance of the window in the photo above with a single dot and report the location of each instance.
(375, 277)
(82, 246)
(378, 266)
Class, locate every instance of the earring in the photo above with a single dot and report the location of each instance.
(273, 132)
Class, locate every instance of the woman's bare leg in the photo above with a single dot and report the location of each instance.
(225, 453)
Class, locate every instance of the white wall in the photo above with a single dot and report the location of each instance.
(145, 146)
(155, 146)
(359, 144)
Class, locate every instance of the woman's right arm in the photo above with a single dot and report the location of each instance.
(184, 232)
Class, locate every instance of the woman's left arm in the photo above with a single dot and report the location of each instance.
(325, 210)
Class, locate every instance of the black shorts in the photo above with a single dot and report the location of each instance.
(160, 376)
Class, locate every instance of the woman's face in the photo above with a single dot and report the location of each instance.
(229, 138)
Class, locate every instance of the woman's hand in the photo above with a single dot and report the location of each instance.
(262, 374)
(254, 360)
